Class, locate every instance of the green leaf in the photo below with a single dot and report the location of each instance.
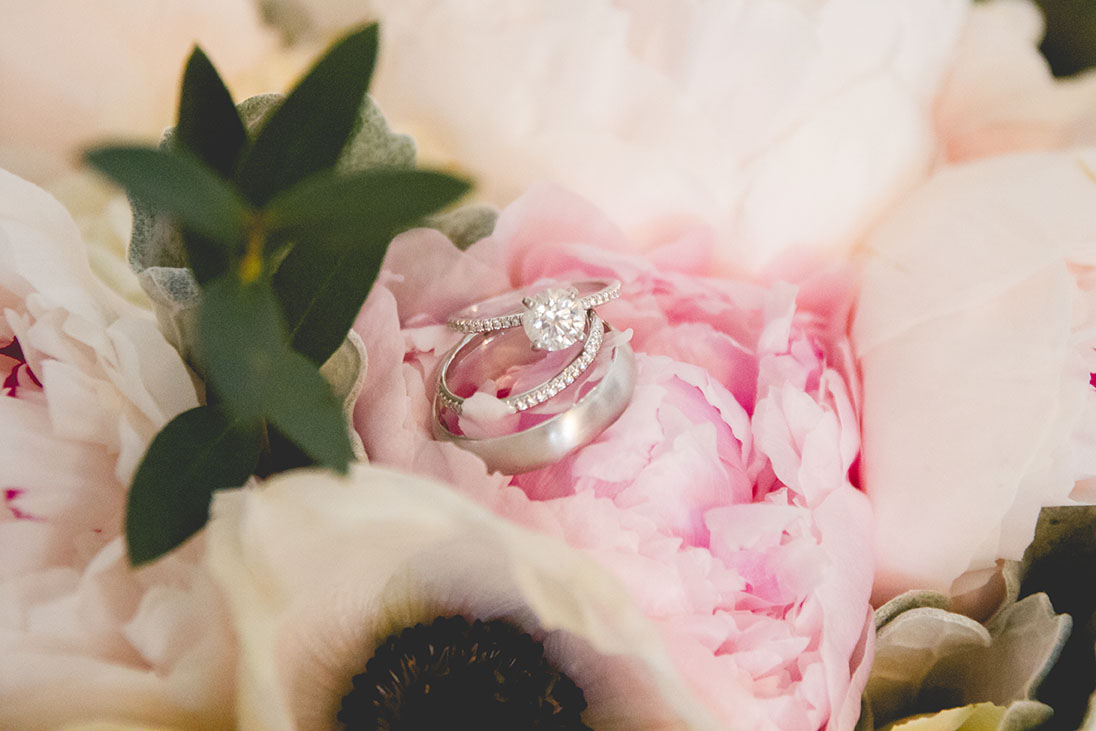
(240, 342)
(199, 451)
(209, 125)
(305, 135)
(331, 209)
(179, 185)
(343, 227)
(303, 408)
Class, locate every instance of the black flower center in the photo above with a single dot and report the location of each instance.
(450, 674)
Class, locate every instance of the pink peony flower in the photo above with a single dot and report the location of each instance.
(721, 499)
(87, 381)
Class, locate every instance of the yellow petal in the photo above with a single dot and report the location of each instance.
(975, 717)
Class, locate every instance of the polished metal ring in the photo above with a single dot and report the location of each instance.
(551, 440)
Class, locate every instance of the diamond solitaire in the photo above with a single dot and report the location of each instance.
(554, 319)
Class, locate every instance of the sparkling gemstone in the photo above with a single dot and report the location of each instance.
(554, 319)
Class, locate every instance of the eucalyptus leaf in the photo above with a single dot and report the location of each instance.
(303, 408)
(332, 210)
(305, 135)
(209, 125)
(325, 278)
(157, 251)
(322, 294)
(178, 184)
(199, 451)
(240, 342)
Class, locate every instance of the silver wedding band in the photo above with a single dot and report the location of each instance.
(553, 439)
(554, 318)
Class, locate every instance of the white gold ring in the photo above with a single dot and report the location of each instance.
(551, 440)
(554, 318)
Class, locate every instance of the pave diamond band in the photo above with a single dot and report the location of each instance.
(486, 324)
(539, 394)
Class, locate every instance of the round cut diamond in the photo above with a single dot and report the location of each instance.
(554, 319)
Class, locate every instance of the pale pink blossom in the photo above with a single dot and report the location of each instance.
(975, 333)
(88, 380)
(721, 498)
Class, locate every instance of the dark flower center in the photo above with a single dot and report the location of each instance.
(450, 674)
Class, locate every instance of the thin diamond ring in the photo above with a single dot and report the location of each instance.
(554, 318)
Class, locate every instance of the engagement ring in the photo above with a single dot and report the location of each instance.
(553, 318)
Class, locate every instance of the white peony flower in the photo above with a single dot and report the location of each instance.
(784, 124)
(319, 570)
(87, 381)
(976, 334)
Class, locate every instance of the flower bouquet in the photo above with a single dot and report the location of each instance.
(504, 365)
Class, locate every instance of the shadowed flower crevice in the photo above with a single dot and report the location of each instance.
(492, 672)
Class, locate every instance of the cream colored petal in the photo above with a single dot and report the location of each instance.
(976, 717)
(783, 124)
(969, 289)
